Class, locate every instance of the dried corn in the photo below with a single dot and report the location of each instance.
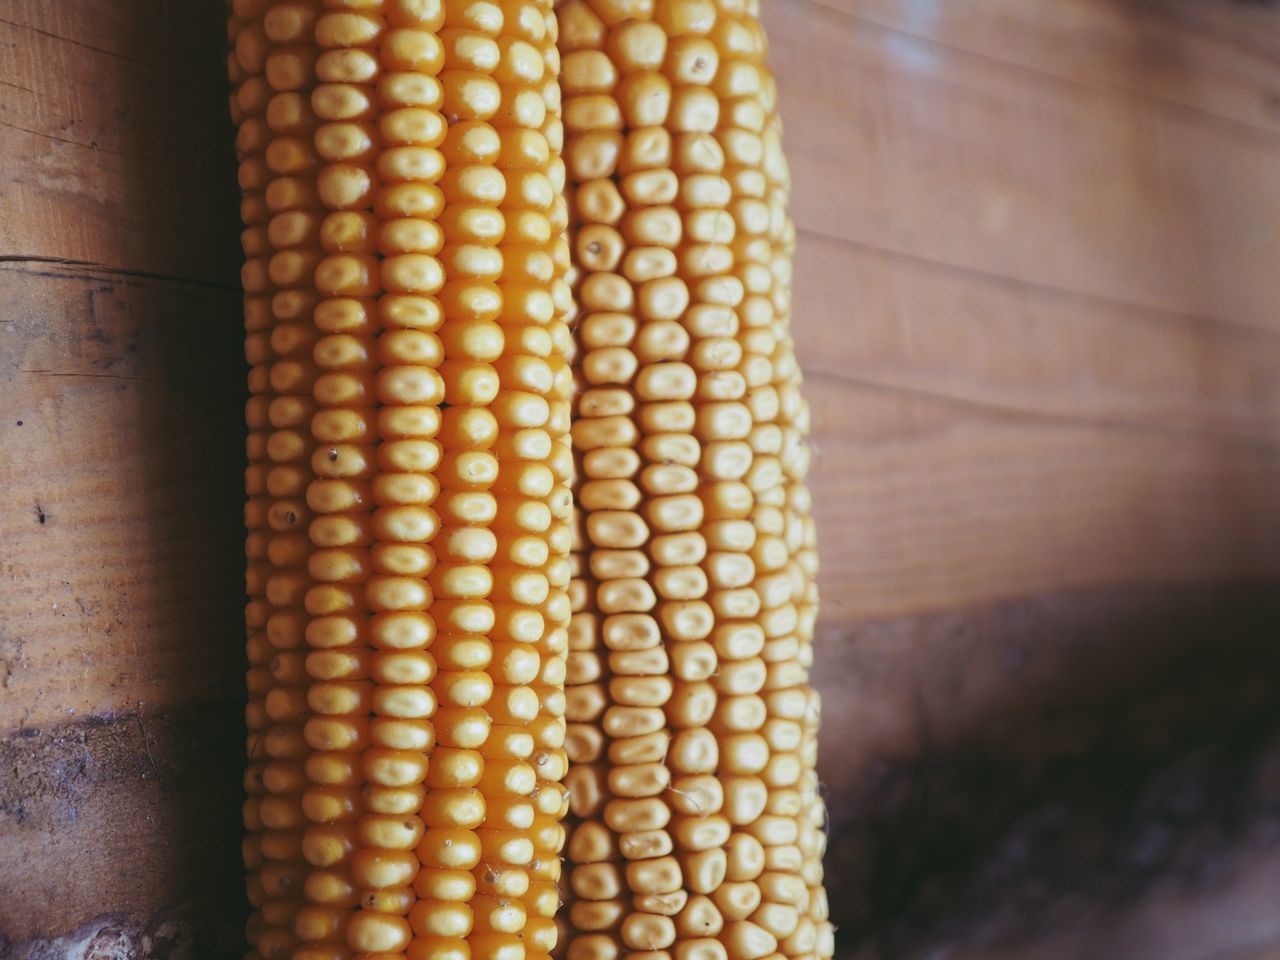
(276, 176)
(415, 220)
(410, 511)
(697, 824)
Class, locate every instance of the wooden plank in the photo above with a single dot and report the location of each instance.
(120, 411)
(129, 31)
(126, 142)
(61, 110)
(1253, 26)
(898, 322)
(955, 505)
(921, 150)
(1137, 51)
(72, 202)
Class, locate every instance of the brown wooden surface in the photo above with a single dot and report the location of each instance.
(1038, 300)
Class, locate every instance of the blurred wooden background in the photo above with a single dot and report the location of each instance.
(1039, 307)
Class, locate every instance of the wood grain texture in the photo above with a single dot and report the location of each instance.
(118, 114)
(967, 161)
(1037, 306)
(122, 420)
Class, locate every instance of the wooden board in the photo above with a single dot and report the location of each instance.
(1036, 303)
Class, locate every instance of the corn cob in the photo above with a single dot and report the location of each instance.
(276, 175)
(696, 826)
(248, 106)
(405, 300)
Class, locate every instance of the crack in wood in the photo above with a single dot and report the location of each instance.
(17, 263)
(81, 43)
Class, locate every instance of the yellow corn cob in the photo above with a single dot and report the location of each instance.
(276, 174)
(697, 823)
(409, 475)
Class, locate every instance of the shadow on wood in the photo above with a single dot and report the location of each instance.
(1073, 770)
